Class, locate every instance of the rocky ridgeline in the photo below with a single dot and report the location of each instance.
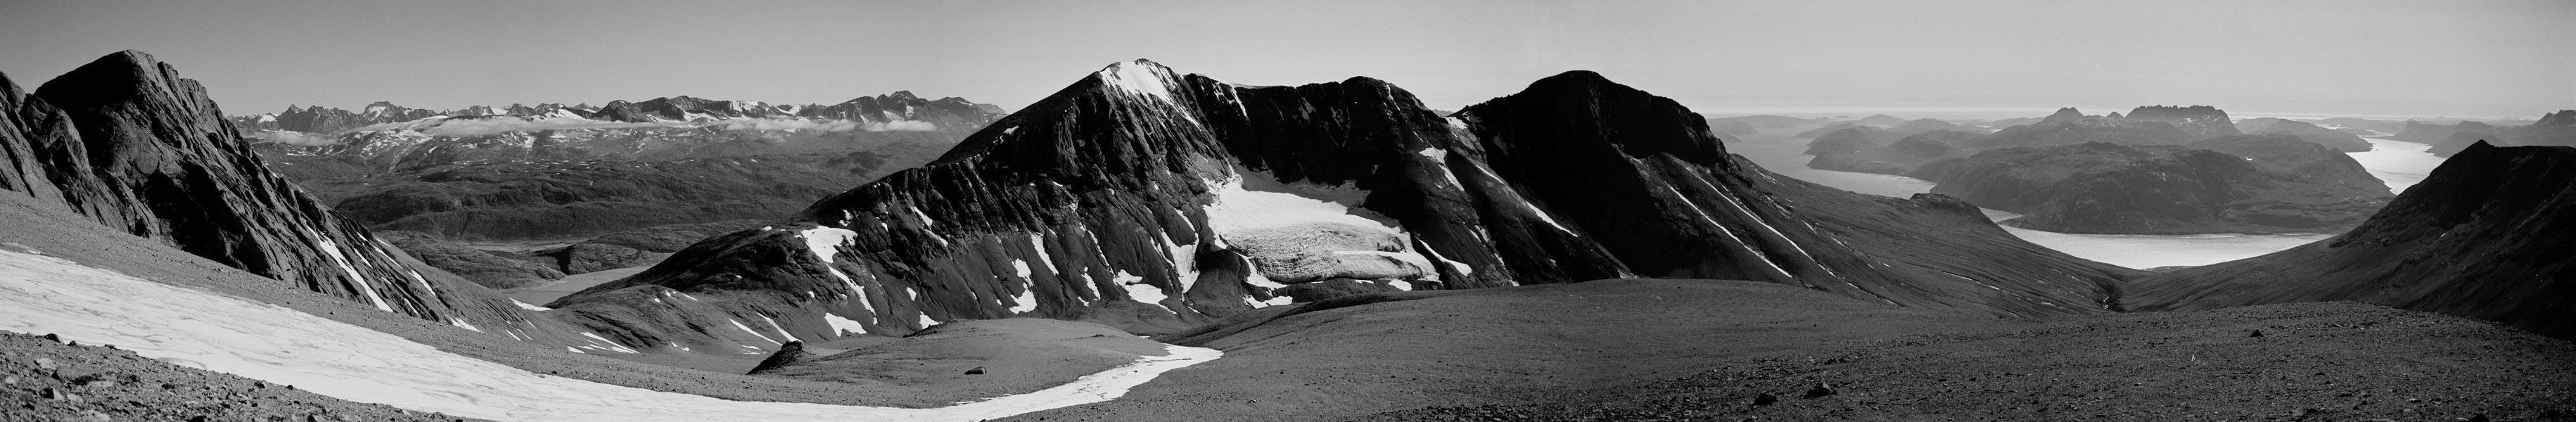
(129, 144)
(1151, 201)
(2483, 237)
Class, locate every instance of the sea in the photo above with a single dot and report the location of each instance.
(2400, 164)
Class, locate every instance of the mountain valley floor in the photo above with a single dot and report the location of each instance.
(1618, 350)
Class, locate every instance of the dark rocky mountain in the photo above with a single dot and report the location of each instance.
(2201, 121)
(1151, 201)
(129, 144)
(2338, 140)
(2231, 184)
(2484, 237)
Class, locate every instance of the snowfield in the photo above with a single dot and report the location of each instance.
(41, 294)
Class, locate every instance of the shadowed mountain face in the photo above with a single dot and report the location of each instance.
(1152, 201)
(2484, 236)
(128, 143)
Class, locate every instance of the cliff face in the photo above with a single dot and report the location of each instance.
(2483, 237)
(1151, 201)
(129, 144)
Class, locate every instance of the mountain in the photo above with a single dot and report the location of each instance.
(1880, 120)
(2338, 140)
(2484, 236)
(1765, 121)
(2231, 184)
(1857, 151)
(1152, 201)
(2557, 129)
(2435, 133)
(566, 173)
(2201, 121)
(129, 144)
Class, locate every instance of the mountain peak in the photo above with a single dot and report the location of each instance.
(2560, 118)
(1143, 78)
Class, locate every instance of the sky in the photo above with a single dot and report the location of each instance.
(2364, 58)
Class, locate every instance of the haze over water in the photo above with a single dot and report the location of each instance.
(2400, 164)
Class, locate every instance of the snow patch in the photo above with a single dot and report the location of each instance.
(525, 305)
(611, 345)
(1140, 291)
(826, 241)
(780, 329)
(746, 328)
(365, 287)
(844, 326)
(460, 323)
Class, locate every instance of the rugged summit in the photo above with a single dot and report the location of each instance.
(2484, 237)
(1151, 201)
(128, 143)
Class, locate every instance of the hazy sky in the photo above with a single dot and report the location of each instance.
(2376, 58)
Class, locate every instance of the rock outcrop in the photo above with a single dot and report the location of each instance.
(128, 143)
(1150, 201)
(2483, 237)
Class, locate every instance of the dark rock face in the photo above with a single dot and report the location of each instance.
(2231, 184)
(2483, 237)
(2202, 122)
(128, 143)
(2338, 140)
(1151, 201)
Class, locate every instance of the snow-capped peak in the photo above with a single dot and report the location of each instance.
(1141, 77)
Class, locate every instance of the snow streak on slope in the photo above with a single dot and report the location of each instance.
(40, 294)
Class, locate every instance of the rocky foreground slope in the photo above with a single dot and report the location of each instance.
(128, 143)
(1152, 201)
(2485, 237)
